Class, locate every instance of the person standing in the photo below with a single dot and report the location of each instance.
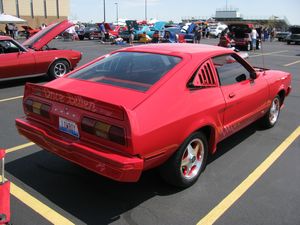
(198, 33)
(11, 30)
(253, 38)
(6, 29)
(131, 33)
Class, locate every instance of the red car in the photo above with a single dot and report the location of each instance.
(156, 105)
(241, 36)
(34, 57)
(29, 31)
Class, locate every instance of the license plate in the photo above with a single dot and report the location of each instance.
(68, 127)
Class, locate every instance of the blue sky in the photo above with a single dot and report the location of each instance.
(92, 10)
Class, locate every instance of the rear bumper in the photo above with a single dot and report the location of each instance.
(107, 163)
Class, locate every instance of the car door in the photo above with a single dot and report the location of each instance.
(245, 97)
(15, 60)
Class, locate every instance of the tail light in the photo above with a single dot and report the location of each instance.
(103, 130)
(37, 108)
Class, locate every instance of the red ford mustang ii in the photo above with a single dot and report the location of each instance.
(34, 57)
(162, 105)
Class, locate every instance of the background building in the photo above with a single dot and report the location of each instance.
(37, 12)
(232, 15)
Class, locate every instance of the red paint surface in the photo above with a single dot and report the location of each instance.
(156, 122)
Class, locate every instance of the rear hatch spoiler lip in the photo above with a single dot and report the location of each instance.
(71, 99)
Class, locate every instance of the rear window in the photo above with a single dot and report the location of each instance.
(134, 70)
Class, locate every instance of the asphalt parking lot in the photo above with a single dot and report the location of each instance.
(254, 178)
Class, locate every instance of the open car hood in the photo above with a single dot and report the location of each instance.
(43, 37)
(107, 27)
(190, 28)
(133, 22)
(159, 25)
(246, 28)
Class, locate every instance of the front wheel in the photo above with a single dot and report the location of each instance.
(58, 69)
(249, 46)
(186, 165)
(271, 117)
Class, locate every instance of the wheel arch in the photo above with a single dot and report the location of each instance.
(56, 59)
(210, 133)
(281, 94)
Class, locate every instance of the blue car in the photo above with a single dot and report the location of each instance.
(159, 26)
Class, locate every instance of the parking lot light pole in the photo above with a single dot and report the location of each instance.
(104, 18)
(117, 12)
(146, 10)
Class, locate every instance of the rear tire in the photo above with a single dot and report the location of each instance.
(58, 69)
(185, 166)
(271, 117)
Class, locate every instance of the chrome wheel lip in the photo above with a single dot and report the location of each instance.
(192, 159)
(60, 69)
(274, 111)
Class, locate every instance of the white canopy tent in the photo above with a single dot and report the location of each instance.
(4, 18)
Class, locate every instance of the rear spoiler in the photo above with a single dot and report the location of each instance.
(82, 102)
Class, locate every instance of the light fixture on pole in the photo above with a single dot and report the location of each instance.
(117, 12)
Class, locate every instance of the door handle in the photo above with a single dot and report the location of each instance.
(231, 95)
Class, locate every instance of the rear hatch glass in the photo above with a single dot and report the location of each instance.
(133, 70)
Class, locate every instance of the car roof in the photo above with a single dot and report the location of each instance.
(5, 38)
(180, 49)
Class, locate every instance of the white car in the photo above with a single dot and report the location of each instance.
(216, 30)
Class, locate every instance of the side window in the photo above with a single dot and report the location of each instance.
(229, 70)
(203, 77)
(8, 47)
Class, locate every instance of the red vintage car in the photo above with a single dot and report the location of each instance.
(34, 57)
(29, 31)
(141, 107)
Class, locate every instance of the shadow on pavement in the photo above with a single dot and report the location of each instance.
(22, 82)
(87, 196)
(92, 198)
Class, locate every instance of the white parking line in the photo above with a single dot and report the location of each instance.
(289, 64)
(12, 98)
(268, 53)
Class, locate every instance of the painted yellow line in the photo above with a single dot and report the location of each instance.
(289, 64)
(19, 147)
(230, 199)
(39, 207)
(268, 53)
(9, 99)
(42, 209)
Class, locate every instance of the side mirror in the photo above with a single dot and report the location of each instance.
(253, 75)
(241, 77)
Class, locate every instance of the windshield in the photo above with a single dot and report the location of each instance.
(134, 70)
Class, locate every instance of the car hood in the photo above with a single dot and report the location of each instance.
(107, 26)
(133, 22)
(295, 30)
(159, 25)
(240, 27)
(99, 92)
(43, 37)
(190, 28)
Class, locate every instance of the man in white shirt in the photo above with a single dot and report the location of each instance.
(253, 38)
